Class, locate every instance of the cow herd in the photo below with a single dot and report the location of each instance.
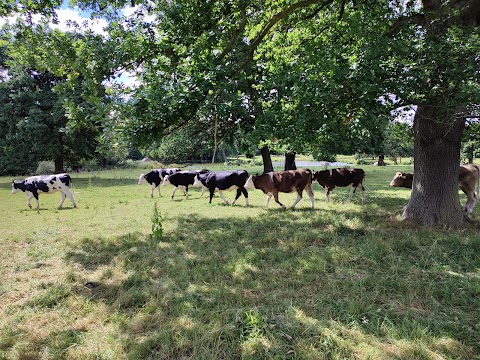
(271, 183)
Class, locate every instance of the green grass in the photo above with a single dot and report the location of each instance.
(220, 282)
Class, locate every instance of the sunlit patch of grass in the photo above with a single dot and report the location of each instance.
(342, 281)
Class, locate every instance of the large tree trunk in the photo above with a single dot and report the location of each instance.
(267, 159)
(290, 161)
(59, 164)
(434, 199)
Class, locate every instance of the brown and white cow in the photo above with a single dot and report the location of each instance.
(283, 181)
(328, 179)
(468, 182)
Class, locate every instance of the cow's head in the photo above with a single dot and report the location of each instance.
(321, 177)
(166, 180)
(402, 179)
(249, 183)
(196, 181)
(141, 179)
(17, 186)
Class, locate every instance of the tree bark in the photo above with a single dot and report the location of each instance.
(381, 160)
(59, 164)
(434, 199)
(215, 136)
(267, 159)
(290, 161)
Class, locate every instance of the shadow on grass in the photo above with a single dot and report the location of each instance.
(304, 283)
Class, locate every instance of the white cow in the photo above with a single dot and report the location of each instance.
(34, 185)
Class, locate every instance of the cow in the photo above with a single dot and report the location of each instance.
(34, 185)
(224, 180)
(328, 179)
(283, 181)
(182, 179)
(468, 182)
(155, 177)
(402, 179)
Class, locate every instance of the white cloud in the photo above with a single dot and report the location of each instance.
(66, 17)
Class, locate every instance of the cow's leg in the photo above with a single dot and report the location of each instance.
(212, 192)
(186, 192)
(327, 194)
(63, 199)
(203, 190)
(310, 194)
(245, 194)
(352, 190)
(35, 194)
(67, 193)
(299, 197)
(275, 196)
(470, 201)
(220, 192)
(158, 187)
(239, 192)
(362, 190)
(153, 188)
(174, 190)
(269, 196)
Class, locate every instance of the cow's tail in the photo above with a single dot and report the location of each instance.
(364, 185)
(478, 181)
(69, 181)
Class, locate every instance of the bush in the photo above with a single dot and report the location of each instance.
(45, 167)
(323, 155)
(364, 162)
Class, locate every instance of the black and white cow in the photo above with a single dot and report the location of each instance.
(182, 179)
(224, 180)
(155, 178)
(34, 185)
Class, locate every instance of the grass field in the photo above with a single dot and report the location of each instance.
(343, 281)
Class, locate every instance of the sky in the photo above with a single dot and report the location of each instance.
(67, 14)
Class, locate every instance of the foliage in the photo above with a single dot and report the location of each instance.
(40, 105)
(471, 142)
(398, 140)
(45, 167)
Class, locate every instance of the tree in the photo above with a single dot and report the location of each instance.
(398, 140)
(471, 142)
(46, 111)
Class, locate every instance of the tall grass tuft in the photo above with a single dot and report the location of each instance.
(157, 227)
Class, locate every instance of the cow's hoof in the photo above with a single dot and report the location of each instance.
(29, 206)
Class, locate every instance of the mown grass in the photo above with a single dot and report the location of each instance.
(342, 281)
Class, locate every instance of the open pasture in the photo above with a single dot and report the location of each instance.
(341, 281)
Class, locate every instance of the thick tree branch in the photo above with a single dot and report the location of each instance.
(279, 16)
(235, 35)
(400, 23)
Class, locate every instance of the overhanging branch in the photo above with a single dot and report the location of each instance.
(400, 23)
(235, 35)
(276, 18)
